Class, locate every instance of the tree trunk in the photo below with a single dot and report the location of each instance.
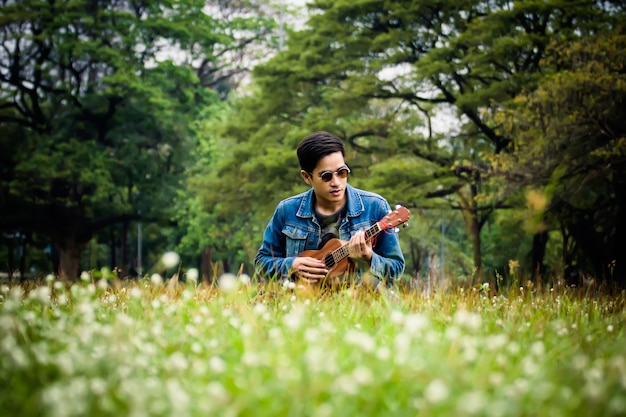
(112, 248)
(474, 231)
(205, 265)
(11, 259)
(540, 240)
(618, 258)
(69, 259)
(123, 265)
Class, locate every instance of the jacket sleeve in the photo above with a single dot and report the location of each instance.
(387, 260)
(270, 260)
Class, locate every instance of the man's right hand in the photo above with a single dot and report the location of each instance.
(309, 269)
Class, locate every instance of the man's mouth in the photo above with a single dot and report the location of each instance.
(335, 192)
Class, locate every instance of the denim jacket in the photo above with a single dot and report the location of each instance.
(294, 228)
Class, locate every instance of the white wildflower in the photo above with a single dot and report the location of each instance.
(537, 349)
(397, 317)
(293, 320)
(414, 323)
(609, 328)
(467, 319)
(62, 299)
(217, 364)
(156, 280)
(40, 294)
(383, 353)
(218, 392)
(170, 259)
(177, 362)
(362, 340)
(472, 402)
(135, 292)
(437, 391)
(259, 309)
(245, 279)
(496, 341)
(192, 276)
(227, 283)
(85, 277)
(346, 385)
(363, 375)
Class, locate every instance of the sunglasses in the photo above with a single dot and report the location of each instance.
(326, 176)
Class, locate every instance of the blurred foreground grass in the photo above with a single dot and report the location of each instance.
(149, 349)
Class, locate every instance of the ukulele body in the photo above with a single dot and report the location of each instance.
(335, 268)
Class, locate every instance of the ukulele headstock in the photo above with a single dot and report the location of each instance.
(395, 218)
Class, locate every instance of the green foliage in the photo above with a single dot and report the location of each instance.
(107, 94)
(376, 73)
(570, 141)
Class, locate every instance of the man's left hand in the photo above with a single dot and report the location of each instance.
(360, 249)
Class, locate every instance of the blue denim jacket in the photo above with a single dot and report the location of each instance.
(294, 228)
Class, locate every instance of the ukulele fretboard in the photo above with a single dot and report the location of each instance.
(337, 255)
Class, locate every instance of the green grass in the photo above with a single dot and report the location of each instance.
(145, 349)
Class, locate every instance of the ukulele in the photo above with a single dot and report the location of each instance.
(335, 252)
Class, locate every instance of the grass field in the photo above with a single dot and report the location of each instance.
(153, 349)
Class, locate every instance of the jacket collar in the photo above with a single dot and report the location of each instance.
(355, 204)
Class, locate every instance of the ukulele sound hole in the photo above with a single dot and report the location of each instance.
(329, 261)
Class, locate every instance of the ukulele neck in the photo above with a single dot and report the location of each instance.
(342, 252)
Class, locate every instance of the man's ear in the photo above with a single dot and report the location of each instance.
(306, 176)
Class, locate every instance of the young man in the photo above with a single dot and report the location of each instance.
(330, 209)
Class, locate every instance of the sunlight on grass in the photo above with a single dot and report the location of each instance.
(155, 348)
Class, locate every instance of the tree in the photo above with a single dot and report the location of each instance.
(104, 93)
(377, 72)
(570, 148)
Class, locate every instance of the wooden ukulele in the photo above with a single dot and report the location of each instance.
(335, 252)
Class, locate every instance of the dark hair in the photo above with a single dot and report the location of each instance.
(316, 146)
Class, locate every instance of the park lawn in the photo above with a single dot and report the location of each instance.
(144, 348)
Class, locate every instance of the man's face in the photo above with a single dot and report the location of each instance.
(332, 194)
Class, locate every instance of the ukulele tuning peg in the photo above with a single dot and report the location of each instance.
(395, 229)
(398, 206)
(405, 225)
(390, 211)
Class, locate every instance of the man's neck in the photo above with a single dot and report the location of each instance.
(330, 207)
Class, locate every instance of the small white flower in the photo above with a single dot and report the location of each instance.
(397, 317)
(135, 292)
(41, 294)
(361, 340)
(49, 278)
(170, 259)
(218, 392)
(245, 279)
(85, 277)
(156, 279)
(227, 283)
(192, 275)
(414, 323)
(437, 391)
(467, 319)
(472, 402)
(363, 375)
(217, 364)
(609, 328)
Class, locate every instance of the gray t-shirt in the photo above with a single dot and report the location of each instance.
(329, 224)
